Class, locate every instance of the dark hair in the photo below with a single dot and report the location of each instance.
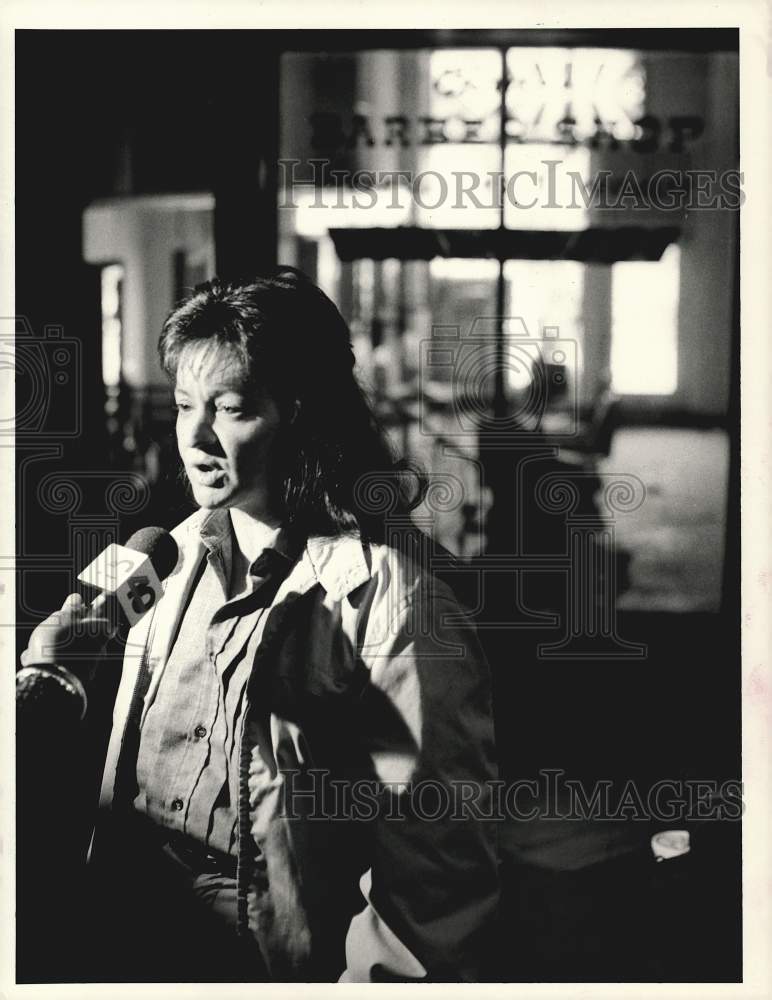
(334, 471)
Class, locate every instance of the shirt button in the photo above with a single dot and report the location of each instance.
(200, 732)
(177, 804)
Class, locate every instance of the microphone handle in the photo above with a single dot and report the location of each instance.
(106, 606)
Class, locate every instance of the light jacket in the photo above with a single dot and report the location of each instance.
(369, 682)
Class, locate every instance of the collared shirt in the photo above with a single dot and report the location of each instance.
(187, 765)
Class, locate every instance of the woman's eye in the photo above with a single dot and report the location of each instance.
(230, 409)
(181, 407)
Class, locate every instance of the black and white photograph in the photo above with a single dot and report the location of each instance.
(387, 567)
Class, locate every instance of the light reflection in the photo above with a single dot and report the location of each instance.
(112, 284)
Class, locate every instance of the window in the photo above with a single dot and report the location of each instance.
(644, 326)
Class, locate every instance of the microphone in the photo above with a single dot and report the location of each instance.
(129, 577)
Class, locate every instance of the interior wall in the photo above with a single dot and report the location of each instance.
(708, 249)
(144, 234)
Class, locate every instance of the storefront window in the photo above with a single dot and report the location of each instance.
(515, 196)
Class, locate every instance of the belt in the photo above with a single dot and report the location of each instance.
(199, 859)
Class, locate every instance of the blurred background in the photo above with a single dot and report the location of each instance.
(514, 346)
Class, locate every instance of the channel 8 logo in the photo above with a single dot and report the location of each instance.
(457, 377)
(47, 375)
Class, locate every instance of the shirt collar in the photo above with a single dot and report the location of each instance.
(217, 534)
(340, 564)
(215, 528)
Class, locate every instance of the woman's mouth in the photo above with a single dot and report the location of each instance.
(208, 475)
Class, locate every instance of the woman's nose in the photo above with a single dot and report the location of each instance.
(198, 430)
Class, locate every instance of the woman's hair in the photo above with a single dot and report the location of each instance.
(333, 470)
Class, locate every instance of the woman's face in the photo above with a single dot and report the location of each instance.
(225, 431)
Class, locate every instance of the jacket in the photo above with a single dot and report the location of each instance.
(368, 685)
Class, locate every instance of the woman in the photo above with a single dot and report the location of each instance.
(304, 720)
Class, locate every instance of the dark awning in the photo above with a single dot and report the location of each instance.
(592, 246)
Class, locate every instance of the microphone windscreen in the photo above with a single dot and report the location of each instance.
(159, 545)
